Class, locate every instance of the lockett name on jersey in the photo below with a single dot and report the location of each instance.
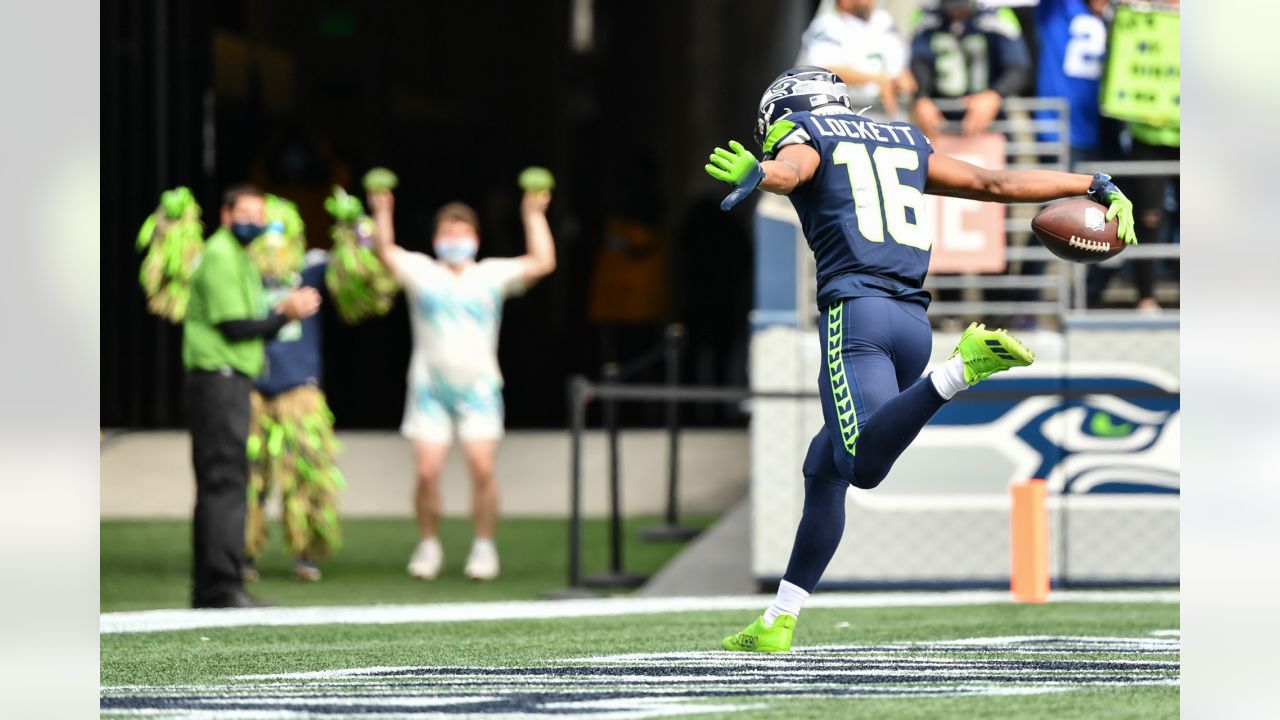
(830, 126)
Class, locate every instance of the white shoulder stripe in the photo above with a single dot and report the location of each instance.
(798, 136)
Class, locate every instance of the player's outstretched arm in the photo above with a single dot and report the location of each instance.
(794, 166)
(540, 253)
(384, 234)
(956, 178)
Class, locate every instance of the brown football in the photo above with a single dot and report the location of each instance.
(1077, 230)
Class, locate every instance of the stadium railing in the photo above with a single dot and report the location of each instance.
(1024, 149)
(581, 393)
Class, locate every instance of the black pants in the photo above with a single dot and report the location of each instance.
(218, 416)
(1151, 219)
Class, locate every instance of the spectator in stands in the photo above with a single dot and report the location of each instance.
(859, 42)
(222, 351)
(1155, 200)
(1072, 37)
(1154, 197)
(975, 55)
(1073, 47)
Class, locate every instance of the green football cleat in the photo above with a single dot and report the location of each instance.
(986, 352)
(758, 638)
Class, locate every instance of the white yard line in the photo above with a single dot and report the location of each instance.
(160, 620)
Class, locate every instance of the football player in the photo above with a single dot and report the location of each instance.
(858, 187)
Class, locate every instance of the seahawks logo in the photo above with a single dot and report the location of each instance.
(1086, 433)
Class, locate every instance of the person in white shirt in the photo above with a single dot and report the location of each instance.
(859, 42)
(455, 308)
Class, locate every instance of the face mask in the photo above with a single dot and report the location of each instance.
(456, 250)
(246, 232)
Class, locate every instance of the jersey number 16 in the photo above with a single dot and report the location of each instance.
(874, 174)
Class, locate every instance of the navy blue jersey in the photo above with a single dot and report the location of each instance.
(983, 51)
(863, 211)
(293, 357)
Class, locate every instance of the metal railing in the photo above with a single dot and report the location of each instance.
(581, 393)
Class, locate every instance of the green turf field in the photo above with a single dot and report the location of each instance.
(147, 564)
(850, 662)
(1062, 660)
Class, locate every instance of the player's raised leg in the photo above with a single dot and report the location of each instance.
(979, 354)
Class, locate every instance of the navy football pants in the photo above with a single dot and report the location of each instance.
(874, 403)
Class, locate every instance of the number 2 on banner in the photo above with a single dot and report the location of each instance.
(870, 183)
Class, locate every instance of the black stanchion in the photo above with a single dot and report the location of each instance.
(579, 392)
(615, 577)
(671, 529)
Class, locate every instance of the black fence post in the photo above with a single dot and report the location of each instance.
(671, 530)
(579, 394)
(616, 577)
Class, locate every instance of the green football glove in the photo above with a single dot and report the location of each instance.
(1105, 192)
(738, 167)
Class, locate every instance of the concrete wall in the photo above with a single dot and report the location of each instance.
(148, 474)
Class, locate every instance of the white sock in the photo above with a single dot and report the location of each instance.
(788, 602)
(483, 545)
(948, 379)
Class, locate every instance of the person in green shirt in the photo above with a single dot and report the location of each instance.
(222, 351)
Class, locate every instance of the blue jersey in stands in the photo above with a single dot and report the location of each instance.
(863, 211)
(293, 357)
(1073, 47)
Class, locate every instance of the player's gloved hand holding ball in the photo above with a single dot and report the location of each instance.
(738, 167)
(1105, 192)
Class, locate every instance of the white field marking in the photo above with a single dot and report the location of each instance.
(961, 671)
(604, 709)
(400, 699)
(1167, 633)
(821, 653)
(1062, 641)
(161, 620)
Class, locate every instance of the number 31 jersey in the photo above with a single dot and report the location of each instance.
(863, 211)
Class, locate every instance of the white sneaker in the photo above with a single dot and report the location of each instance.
(482, 564)
(427, 559)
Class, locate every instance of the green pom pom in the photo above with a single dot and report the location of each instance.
(176, 201)
(359, 284)
(379, 179)
(536, 178)
(171, 239)
(343, 207)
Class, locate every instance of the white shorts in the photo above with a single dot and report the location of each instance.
(433, 407)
